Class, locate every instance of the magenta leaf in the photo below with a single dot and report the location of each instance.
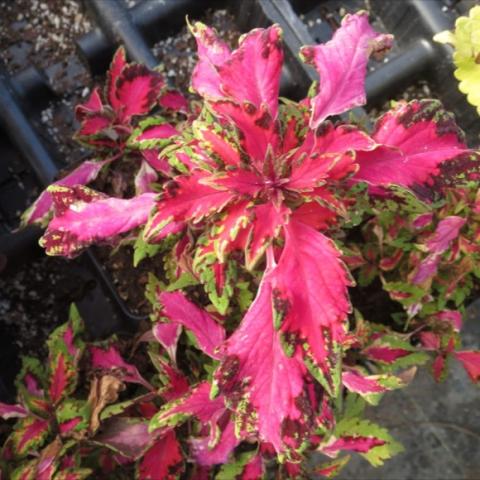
(168, 334)
(447, 230)
(311, 300)
(360, 384)
(29, 434)
(83, 216)
(326, 154)
(119, 62)
(163, 460)
(258, 129)
(208, 332)
(136, 91)
(109, 360)
(268, 220)
(144, 178)
(185, 199)
(470, 361)
(252, 73)
(12, 411)
(414, 139)
(342, 66)
(267, 396)
(218, 442)
(212, 52)
(173, 100)
(207, 454)
(39, 210)
(354, 444)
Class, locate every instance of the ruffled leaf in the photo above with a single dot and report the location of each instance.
(252, 73)
(109, 360)
(311, 300)
(414, 140)
(40, 209)
(267, 397)
(470, 361)
(185, 199)
(163, 460)
(84, 216)
(342, 66)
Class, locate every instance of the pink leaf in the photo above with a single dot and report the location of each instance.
(243, 182)
(212, 52)
(342, 66)
(110, 360)
(254, 469)
(310, 295)
(174, 100)
(360, 384)
(447, 230)
(82, 175)
(206, 455)
(163, 460)
(430, 341)
(327, 153)
(127, 436)
(94, 125)
(414, 140)
(186, 199)
(168, 334)
(314, 215)
(258, 129)
(157, 132)
(268, 395)
(12, 411)
(144, 178)
(29, 434)
(385, 354)
(151, 155)
(354, 443)
(176, 385)
(91, 107)
(136, 91)
(218, 144)
(268, 219)
(426, 269)
(252, 73)
(471, 363)
(119, 62)
(453, 317)
(208, 332)
(84, 217)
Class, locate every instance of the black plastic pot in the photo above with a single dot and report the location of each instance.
(29, 164)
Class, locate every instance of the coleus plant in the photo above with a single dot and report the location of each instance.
(108, 119)
(266, 198)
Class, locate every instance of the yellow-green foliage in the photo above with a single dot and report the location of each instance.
(466, 41)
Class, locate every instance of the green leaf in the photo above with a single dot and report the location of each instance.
(364, 428)
(231, 471)
(142, 249)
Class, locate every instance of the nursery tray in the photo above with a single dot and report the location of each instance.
(32, 157)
